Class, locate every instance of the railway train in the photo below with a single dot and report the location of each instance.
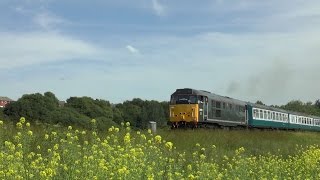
(191, 107)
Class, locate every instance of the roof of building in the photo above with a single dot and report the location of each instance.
(3, 98)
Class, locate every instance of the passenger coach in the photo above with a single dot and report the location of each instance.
(190, 107)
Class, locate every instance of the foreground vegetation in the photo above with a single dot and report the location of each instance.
(33, 152)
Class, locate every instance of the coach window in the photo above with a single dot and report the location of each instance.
(305, 120)
(269, 117)
(255, 113)
(223, 105)
(261, 114)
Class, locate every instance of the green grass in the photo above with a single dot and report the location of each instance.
(255, 142)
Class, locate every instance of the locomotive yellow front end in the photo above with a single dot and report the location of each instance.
(184, 108)
(184, 113)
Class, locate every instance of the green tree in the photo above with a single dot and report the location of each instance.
(260, 102)
(90, 107)
(32, 106)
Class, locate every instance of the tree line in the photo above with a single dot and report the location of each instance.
(78, 111)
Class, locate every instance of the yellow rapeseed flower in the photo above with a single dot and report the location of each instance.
(19, 125)
(158, 139)
(169, 145)
(22, 120)
(93, 121)
(30, 133)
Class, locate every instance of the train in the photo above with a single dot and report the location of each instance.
(196, 108)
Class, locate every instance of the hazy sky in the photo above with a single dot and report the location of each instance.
(117, 50)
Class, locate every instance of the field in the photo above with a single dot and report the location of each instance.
(48, 152)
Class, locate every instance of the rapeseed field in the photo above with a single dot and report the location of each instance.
(123, 153)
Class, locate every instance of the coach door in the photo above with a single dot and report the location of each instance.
(203, 108)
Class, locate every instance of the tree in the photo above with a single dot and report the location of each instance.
(89, 107)
(32, 106)
(260, 102)
(317, 103)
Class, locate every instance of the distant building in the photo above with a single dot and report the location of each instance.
(4, 101)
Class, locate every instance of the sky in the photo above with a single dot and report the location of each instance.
(118, 50)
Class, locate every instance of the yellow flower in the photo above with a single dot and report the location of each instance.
(30, 133)
(28, 124)
(1, 123)
(158, 139)
(69, 127)
(19, 125)
(93, 121)
(127, 123)
(169, 145)
(56, 147)
(202, 156)
(22, 120)
(127, 138)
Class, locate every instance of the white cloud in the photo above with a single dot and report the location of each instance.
(158, 8)
(47, 21)
(35, 48)
(132, 49)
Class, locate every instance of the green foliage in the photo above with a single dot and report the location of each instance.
(260, 102)
(298, 106)
(103, 123)
(67, 116)
(317, 103)
(139, 112)
(90, 107)
(117, 115)
(1, 114)
(32, 106)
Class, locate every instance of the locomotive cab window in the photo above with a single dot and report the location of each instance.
(183, 99)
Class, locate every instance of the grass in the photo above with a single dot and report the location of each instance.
(256, 142)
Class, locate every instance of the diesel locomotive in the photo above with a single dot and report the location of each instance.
(191, 107)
